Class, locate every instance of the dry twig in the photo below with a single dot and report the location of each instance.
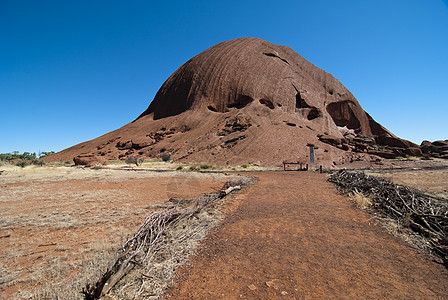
(424, 214)
(151, 242)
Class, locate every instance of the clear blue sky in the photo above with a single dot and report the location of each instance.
(71, 71)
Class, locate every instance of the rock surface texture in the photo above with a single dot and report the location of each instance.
(247, 100)
(438, 149)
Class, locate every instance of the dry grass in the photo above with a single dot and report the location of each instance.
(58, 272)
(431, 181)
(164, 242)
(360, 200)
(60, 227)
(407, 235)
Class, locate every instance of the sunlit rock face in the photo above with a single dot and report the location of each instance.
(252, 71)
(247, 100)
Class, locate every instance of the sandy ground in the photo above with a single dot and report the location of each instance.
(289, 236)
(60, 227)
(294, 237)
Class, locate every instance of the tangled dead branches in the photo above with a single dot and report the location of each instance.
(424, 214)
(160, 245)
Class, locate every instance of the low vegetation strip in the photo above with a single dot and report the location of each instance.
(423, 214)
(161, 244)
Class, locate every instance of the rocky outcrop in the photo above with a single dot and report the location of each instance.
(330, 139)
(247, 100)
(437, 149)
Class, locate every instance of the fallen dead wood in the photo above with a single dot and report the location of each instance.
(424, 214)
(153, 243)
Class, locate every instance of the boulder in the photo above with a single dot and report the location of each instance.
(364, 140)
(413, 151)
(88, 160)
(360, 147)
(383, 153)
(435, 149)
(440, 143)
(426, 144)
(330, 139)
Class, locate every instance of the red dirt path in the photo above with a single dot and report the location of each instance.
(294, 237)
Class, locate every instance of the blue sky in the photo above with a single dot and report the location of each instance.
(71, 71)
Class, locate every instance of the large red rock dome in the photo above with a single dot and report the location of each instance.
(247, 100)
(235, 73)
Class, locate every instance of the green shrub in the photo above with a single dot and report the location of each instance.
(38, 162)
(245, 166)
(205, 166)
(165, 156)
(193, 168)
(132, 160)
(21, 163)
(179, 168)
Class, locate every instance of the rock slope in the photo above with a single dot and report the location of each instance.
(247, 100)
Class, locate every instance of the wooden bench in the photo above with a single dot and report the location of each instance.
(300, 166)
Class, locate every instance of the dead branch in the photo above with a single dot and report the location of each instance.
(144, 245)
(424, 214)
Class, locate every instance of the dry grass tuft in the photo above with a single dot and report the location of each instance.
(360, 200)
(433, 181)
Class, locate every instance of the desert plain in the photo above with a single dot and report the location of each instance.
(61, 226)
(289, 235)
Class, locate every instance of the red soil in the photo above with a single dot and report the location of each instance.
(294, 237)
(102, 210)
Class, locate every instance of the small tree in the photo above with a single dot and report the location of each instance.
(165, 156)
(38, 162)
(140, 161)
(21, 163)
(132, 160)
(43, 154)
